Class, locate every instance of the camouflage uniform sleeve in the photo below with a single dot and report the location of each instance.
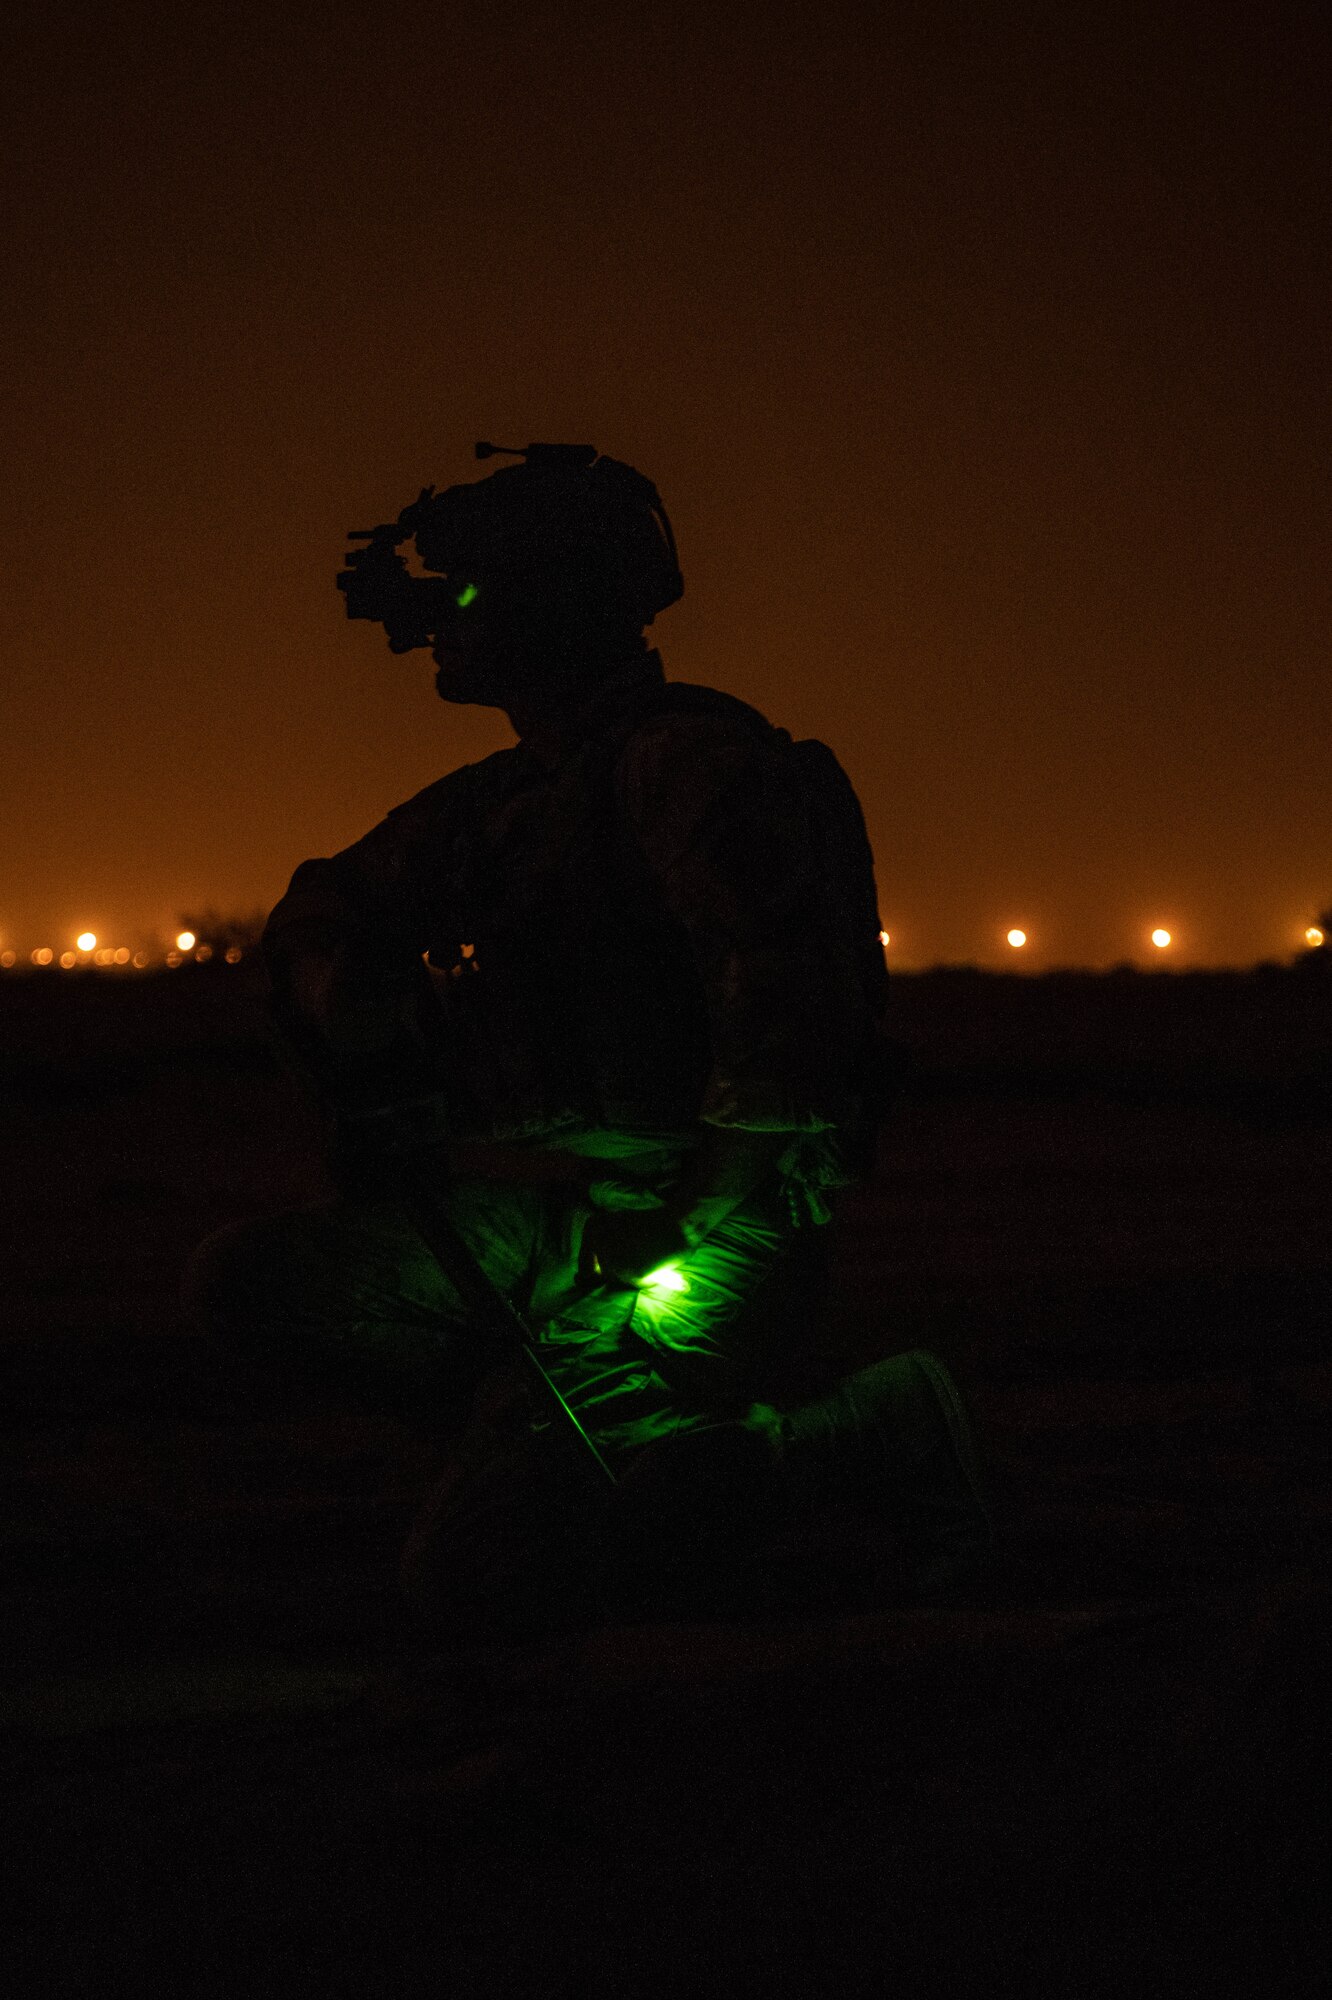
(345, 944)
(718, 816)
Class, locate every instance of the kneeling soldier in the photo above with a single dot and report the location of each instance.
(614, 993)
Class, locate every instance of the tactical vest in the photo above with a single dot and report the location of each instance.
(845, 863)
(609, 972)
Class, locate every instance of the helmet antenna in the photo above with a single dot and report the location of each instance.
(563, 455)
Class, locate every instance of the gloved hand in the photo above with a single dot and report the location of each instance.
(624, 1246)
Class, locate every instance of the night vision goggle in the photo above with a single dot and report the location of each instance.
(565, 510)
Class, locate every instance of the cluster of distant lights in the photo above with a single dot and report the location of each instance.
(87, 951)
(1160, 938)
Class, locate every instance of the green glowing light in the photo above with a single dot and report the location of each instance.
(666, 1278)
(465, 596)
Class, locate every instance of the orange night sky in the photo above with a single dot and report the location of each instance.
(979, 352)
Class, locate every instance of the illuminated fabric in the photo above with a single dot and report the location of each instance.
(345, 1295)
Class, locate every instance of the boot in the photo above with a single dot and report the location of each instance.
(508, 1546)
(898, 1442)
(702, 1527)
(875, 1494)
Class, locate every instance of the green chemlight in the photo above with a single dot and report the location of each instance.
(465, 596)
(666, 1278)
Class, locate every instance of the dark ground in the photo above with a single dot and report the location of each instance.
(228, 1771)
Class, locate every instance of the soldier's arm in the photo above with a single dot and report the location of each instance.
(724, 1170)
(720, 820)
(344, 945)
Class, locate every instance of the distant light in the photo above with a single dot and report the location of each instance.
(122, 955)
(465, 596)
(234, 954)
(43, 955)
(204, 953)
(7, 957)
(1160, 939)
(68, 958)
(1314, 936)
(884, 939)
(141, 958)
(185, 941)
(85, 942)
(1017, 939)
(173, 958)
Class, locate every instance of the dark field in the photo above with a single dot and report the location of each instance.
(230, 1769)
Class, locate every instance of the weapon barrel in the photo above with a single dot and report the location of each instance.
(487, 1302)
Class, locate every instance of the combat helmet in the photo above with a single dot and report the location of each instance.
(586, 532)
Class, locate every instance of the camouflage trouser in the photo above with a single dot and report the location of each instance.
(347, 1296)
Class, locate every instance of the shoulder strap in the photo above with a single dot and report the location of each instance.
(666, 698)
(689, 698)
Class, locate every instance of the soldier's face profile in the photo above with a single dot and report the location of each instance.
(505, 640)
(485, 651)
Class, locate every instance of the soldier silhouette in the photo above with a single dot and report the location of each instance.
(610, 987)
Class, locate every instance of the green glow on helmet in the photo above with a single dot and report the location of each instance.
(465, 596)
(666, 1278)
